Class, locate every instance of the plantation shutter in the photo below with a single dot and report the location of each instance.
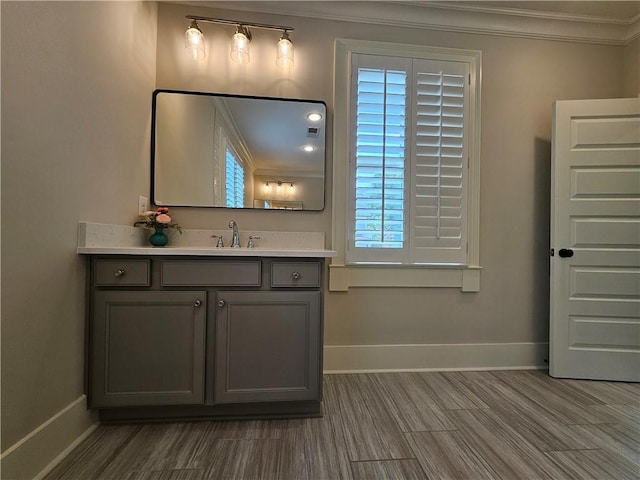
(379, 158)
(409, 160)
(234, 180)
(439, 161)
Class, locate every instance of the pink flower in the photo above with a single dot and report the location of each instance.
(163, 218)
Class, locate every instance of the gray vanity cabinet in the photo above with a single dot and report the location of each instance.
(267, 346)
(174, 337)
(148, 348)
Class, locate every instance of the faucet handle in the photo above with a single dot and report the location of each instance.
(219, 243)
(250, 244)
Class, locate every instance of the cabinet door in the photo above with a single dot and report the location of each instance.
(148, 348)
(268, 346)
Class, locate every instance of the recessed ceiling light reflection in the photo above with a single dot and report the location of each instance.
(314, 117)
(308, 148)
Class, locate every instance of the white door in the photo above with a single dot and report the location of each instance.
(595, 236)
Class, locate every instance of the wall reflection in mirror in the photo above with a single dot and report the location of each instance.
(216, 150)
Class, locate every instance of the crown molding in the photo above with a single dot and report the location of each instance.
(461, 18)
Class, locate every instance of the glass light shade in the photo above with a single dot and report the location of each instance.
(240, 48)
(284, 58)
(194, 42)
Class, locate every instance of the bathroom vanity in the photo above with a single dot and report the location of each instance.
(204, 332)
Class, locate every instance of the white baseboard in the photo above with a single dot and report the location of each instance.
(36, 454)
(434, 357)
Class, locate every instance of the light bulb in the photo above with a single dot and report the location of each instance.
(240, 45)
(194, 42)
(308, 148)
(314, 117)
(284, 58)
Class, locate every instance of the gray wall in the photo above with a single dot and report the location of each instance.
(181, 159)
(521, 79)
(76, 90)
(77, 80)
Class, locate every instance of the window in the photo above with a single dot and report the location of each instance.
(408, 171)
(406, 165)
(230, 166)
(234, 180)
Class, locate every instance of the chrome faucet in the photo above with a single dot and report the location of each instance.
(235, 240)
(219, 243)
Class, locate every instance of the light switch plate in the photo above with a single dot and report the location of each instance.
(143, 205)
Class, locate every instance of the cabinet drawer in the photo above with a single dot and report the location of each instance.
(213, 273)
(295, 274)
(110, 273)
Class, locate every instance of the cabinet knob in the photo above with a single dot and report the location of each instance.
(197, 303)
(295, 275)
(119, 273)
(221, 303)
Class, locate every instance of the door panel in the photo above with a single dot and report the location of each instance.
(603, 332)
(608, 131)
(148, 348)
(595, 293)
(267, 346)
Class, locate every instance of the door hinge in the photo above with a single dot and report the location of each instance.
(469, 79)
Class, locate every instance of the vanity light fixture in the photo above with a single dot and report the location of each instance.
(194, 40)
(240, 45)
(284, 57)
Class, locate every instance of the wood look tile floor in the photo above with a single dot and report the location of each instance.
(456, 425)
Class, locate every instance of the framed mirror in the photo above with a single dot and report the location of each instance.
(231, 151)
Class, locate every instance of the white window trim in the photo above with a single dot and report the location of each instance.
(342, 276)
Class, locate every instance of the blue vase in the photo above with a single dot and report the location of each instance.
(158, 239)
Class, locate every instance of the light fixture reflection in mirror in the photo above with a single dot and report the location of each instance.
(199, 138)
(278, 190)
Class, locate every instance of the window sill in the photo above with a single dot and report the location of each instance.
(465, 277)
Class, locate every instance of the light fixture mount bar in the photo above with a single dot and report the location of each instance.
(265, 26)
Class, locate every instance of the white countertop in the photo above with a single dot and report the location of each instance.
(105, 239)
(209, 251)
